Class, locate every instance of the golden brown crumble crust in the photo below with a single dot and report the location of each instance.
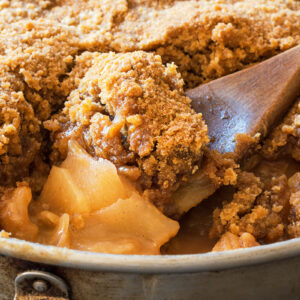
(41, 41)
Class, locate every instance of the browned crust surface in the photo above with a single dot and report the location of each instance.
(52, 64)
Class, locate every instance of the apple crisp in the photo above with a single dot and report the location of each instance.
(98, 140)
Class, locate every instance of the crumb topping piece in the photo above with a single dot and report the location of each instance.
(131, 109)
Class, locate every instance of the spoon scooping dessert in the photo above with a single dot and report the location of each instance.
(249, 101)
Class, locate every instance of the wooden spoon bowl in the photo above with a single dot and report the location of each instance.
(248, 101)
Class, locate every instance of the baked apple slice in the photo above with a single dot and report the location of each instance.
(14, 213)
(62, 195)
(97, 179)
(82, 184)
(140, 218)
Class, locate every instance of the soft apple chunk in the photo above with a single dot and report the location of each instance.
(61, 195)
(129, 226)
(138, 217)
(98, 237)
(193, 192)
(82, 184)
(98, 179)
(59, 235)
(14, 213)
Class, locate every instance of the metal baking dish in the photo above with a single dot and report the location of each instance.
(264, 272)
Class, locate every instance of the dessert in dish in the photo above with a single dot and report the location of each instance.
(100, 149)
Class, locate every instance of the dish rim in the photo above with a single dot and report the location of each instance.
(183, 263)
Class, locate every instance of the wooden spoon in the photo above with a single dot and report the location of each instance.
(249, 101)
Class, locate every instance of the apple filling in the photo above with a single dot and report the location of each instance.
(86, 205)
